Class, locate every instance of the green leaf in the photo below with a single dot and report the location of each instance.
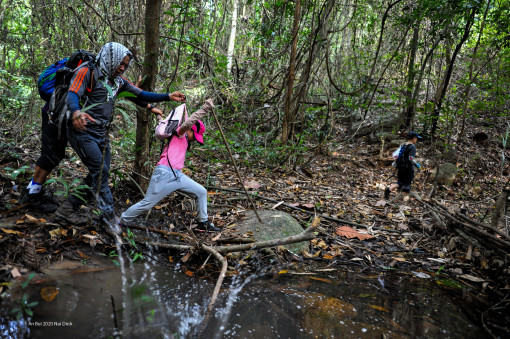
(84, 109)
(125, 94)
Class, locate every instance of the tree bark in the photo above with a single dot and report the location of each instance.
(232, 38)
(288, 118)
(408, 113)
(150, 70)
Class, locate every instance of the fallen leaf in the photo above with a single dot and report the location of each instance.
(189, 273)
(186, 257)
(252, 184)
(380, 203)
(379, 308)
(157, 207)
(56, 232)
(11, 231)
(283, 271)
(49, 293)
(327, 256)
(15, 273)
(307, 254)
(30, 219)
(348, 232)
(83, 256)
(321, 279)
(421, 275)
(471, 278)
(170, 258)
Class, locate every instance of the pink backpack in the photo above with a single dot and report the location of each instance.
(166, 128)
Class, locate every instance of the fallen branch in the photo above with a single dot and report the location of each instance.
(433, 211)
(503, 244)
(155, 230)
(224, 265)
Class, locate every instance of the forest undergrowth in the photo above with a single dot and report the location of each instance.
(342, 184)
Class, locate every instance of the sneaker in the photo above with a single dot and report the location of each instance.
(206, 226)
(387, 193)
(111, 224)
(71, 214)
(38, 202)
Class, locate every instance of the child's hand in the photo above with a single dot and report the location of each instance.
(208, 105)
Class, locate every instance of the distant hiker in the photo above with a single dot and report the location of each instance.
(88, 130)
(53, 145)
(405, 164)
(168, 176)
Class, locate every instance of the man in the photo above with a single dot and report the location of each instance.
(87, 132)
(405, 164)
(52, 152)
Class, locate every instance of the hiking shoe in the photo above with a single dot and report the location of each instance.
(38, 202)
(71, 214)
(110, 223)
(387, 193)
(206, 226)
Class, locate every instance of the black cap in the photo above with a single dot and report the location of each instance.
(412, 135)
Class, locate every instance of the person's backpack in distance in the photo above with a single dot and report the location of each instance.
(58, 111)
(402, 157)
(166, 128)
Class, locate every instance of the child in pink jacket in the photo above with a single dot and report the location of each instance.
(168, 176)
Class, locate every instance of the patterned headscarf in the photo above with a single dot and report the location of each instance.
(110, 56)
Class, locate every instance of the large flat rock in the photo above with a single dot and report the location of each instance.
(276, 225)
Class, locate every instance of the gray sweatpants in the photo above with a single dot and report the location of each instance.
(163, 182)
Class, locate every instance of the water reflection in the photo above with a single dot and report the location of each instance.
(150, 301)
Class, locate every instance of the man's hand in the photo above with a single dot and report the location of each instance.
(177, 96)
(79, 120)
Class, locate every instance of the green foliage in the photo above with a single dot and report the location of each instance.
(130, 238)
(70, 188)
(14, 173)
(24, 307)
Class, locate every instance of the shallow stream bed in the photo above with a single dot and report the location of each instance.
(150, 301)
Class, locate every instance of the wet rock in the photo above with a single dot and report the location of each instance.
(276, 225)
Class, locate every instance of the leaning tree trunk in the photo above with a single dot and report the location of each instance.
(150, 70)
(439, 101)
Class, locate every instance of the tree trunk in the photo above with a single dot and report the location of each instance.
(408, 113)
(471, 77)
(288, 118)
(150, 70)
(446, 80)
(232, 38)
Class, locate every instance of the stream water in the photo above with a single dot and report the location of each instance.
(150, 301)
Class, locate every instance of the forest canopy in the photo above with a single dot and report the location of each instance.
(290, 69)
